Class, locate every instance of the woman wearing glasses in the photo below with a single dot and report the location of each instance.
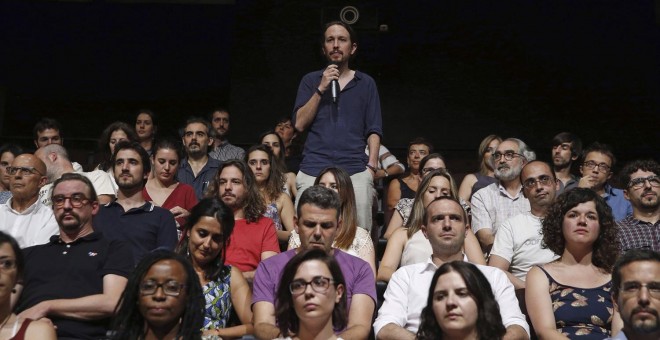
(225, 289)
(11, 270)
(571, 297)
(162, 300)
(311, 297)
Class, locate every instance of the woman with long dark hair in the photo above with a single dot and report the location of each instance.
(111, 135)
(162, 300)
(206, 236)
(146, 126)
(276, 144)
(311, 297)
(570, 297)
(461, 305)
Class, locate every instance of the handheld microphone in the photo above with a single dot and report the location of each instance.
(334, 87)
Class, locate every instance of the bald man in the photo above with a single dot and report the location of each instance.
(23, 216)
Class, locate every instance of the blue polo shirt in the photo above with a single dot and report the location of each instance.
(339, 132)
(203, 179)
(145, 228)
(59, 270)
(621, 207)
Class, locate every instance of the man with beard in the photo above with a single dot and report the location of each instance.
(517, 245)
(75, 279)
(496, 203)
(254, 238)
(222, 150)
(24, 216)
(566, 148)
(445, 226)
(130, 218)
(636, 294)
(197, 168)
(596, 169)
(642, 228)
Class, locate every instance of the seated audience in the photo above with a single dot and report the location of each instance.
(207, 234)
(146, 127)
(75, 279)
(162, 188)
(351, 238)
(640, 230)
(221, 149)
(445, 225)
(317, 223)
(198, 168)
(566, 149)
(517, 247)
(49, 131)
(311, 298)
(270, 181)
(7, 154)
(636, 294)
(24, 216)
(597, 168)
(162, 300)
(275, 142)
(406, 186)
(486, 174)
(460, 305)
(111, 135)
(254, 238)
(570, 297)
(409, 245)
(12, 265)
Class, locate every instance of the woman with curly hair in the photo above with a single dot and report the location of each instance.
(570, 297)
(311, 297)
(270, 180)
(162, 300)
(460, 298)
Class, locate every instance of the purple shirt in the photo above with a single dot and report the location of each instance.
(358, 276)
(339, 132)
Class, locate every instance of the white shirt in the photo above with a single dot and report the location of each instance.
(31, 227)
(408, 290)
(493, 205)
(101, 180)
(519, 241)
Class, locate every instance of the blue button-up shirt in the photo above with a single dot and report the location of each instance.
(203, 179)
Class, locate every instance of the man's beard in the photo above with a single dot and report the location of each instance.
(507, 174)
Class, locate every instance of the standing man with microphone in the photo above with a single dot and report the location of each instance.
(342, 120)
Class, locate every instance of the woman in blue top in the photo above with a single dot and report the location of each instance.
(570, 298)
(207, 233)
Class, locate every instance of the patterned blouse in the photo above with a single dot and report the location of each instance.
(218, 300)
(271, 212)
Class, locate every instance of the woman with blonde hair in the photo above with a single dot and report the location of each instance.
(486, 174)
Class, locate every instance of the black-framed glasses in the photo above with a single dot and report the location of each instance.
(320, 284)
(7, 264)
(509, 155)
(23, 170)
(633, 288)
(171, 287)
(77, 200)
(638, 183)
(544, 180)
(592, 165)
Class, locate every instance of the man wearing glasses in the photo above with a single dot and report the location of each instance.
(23, 216)
(496, 203)
(596, 169)
(517, 245)
(75, 279)
(641, 230)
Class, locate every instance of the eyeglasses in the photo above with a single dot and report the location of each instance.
(171, 288)
(77, 200)
(592, 165)
(509, 155)
(24, 171)
(427, 170)
(544, 180)
(638, 183)
(320, 284)
(633, 288)
(7, 264)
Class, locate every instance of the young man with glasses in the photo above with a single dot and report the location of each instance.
(75, 279)
(517, 245)
(23, 216)
(496, 203)
(596, 169)
(636, 294)
(641, 230)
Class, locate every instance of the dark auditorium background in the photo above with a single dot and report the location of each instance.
(452, 71)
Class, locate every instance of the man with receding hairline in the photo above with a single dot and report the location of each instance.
(23, 216)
